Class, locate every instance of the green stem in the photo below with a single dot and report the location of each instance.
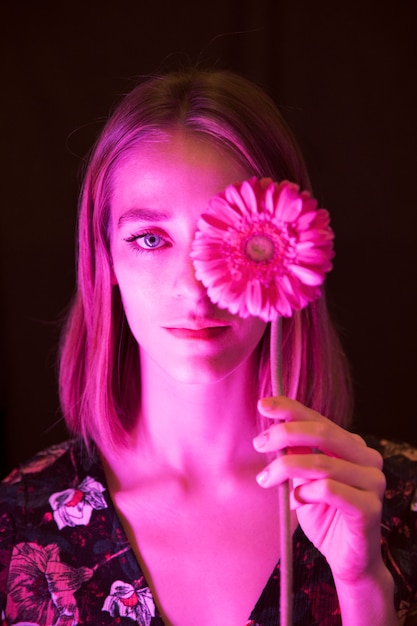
(285, 606)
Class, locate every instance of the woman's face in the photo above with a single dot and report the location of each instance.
(159, 192)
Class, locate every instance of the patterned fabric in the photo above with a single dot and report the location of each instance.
(65, 558)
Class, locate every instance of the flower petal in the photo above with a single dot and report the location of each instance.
(307, 276)
(263, 285)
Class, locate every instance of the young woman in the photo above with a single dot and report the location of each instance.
(162, 509)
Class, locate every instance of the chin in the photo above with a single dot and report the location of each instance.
(206, 373)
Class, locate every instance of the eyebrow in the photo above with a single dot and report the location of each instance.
(143, 215)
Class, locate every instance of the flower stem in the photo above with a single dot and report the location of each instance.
(285, 606)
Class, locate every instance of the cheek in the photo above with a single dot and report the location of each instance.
(252, 330)
(140, 316)
(137, 279)
(139, 300)
(246, 339)
(146, 300)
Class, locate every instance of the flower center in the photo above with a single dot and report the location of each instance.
(259, 248)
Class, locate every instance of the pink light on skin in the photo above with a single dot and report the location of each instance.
(198, 364)
(156, 204)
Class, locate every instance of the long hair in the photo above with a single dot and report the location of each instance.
(99, 360)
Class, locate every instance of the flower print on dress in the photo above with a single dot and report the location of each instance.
(263, 248)
(125, 600)
(73, 507)
(42, 461)
(41, 587)
(324, 603)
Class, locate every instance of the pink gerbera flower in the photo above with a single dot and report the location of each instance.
(263, 248)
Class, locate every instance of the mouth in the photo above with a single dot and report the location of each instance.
(205, 332)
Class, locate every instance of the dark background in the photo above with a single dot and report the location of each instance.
(344, 75)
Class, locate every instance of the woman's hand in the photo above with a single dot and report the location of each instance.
(337, 483)
(337, 490)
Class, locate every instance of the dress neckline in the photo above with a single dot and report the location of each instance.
(271, 586)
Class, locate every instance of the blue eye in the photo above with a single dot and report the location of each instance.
(149, 240)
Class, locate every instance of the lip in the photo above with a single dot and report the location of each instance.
(206, 332)
(198, 323)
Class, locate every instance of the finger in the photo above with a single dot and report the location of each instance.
(321, 435)
(318, 467)
(345, 498)
(285, 409)
(267, 442)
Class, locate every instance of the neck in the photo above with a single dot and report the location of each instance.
(196, 427)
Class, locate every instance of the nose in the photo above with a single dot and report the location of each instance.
(186, 284)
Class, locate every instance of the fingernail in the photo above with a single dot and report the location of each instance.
(268, 404)
(262, 478)
(260, 441)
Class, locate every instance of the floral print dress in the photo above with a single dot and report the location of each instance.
(65, 558)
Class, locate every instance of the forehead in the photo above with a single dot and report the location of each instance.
(182, 161)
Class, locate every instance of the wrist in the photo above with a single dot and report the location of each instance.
(368, 599)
